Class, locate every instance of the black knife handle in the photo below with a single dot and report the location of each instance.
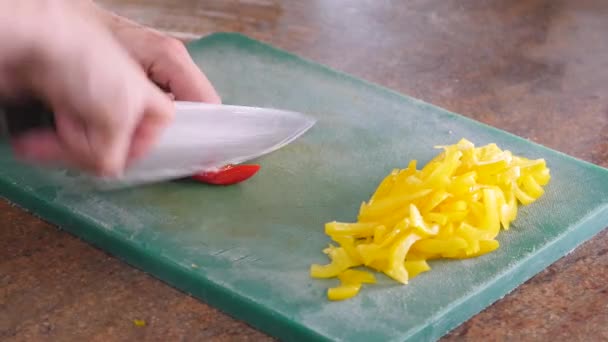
(18, 117)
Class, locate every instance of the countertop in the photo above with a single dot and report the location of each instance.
(536, 68)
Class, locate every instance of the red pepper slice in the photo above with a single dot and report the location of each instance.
(228, 175)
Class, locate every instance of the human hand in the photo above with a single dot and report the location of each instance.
(107, 111)
(165, 60)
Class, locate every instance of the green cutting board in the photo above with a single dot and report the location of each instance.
(246, 249)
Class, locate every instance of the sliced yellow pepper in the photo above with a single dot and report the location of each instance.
(542, 176)
(437, 246)
(348, 244)
(491, 213)
(532, 187)
(438, 218)
(385, 206)
(352, 229)
(397, 217)
(454, 207)
(415, 267)
(351, 281)
(436, 198)
(396, 267)
(340, 261)
(385, 186)
(356, 277)
(522, 196)
(371, 252)
(343, 292)
(417, 221)
(379, 233)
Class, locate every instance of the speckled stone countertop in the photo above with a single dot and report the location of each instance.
(536, 68)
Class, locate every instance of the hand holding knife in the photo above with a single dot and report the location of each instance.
(202, 138)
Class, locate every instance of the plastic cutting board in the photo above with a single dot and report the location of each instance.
(246, 249)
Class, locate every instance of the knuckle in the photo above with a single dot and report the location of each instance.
(105, 167)
(173, 48)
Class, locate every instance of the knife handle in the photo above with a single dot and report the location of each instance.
(18, 117)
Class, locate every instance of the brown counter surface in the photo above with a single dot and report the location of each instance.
(536, 68)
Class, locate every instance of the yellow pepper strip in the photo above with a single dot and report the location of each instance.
(469, 232)
(411, 183)
(502, 209)
(379, 265)
(406, 177)
(343, 292)
(530, 165)
(415, 267)
(371, 252)
(396, 267)
(446, 231)
(413, 255)
(411, 167)
(463, 183)
(471, 235)
(139, 322)
(437, 246)
(485, 247)
(532, 187)
(350, 229)
(488, 151)
(454, 207)
(398, 216)
(417, 222)
(379, 233)
(493, 167)
(523, 197)
(392, 235)
(477, 212)
(509, 209)
(542, 176)
(459, 205)
(508, 176)
(435, 199)
(456, 216)
(445, 169)
(431, 166)
(356, 277)
(385, 186)
(475, 196)
(340, 261)
(440, 219)
(472, 248)
(491, 218)
(386, 206)
(348, 243)
(350, 284)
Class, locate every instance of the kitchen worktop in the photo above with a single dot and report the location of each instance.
(534, 68)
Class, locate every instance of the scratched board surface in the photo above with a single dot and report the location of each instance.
(246, 249)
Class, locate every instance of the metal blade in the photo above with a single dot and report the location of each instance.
(203, 137)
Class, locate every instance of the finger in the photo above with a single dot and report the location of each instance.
(182, 77)
(42, 147)
(109, 147)
(39, 147)
(73, 140)
(99, 146)
(158, 114)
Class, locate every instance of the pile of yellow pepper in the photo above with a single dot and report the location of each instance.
(454, 207)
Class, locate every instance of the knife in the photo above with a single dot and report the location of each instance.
(202, 137)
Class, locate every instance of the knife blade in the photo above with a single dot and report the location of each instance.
(202, 137)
